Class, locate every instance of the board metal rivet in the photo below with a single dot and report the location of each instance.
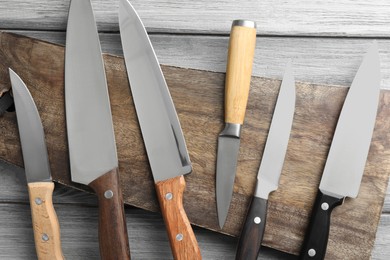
(45, 237)
(108, 194)
(169, 196)
(324, 206)
(38, 201)
(311, 252)
(179, 237)
(257, 220)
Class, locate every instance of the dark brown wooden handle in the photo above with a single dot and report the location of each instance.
(181, 236)
(253, 230)
(113, 239)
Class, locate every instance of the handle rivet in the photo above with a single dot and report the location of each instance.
(324, 206)
(311, 252)
(108, 194)
(45, 237)
(179, 237)
(169, 196)
(257, 220)
(38, 201)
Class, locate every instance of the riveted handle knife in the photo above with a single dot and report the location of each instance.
(92, 148)
(161, 131)
(347, 156)
(270, 169)
(238, 75)
(37, 168)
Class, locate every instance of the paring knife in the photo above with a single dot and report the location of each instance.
(347, 155)
(161, 131)
(238, 75)
(36, 164)
(270, 169)
(92, 148)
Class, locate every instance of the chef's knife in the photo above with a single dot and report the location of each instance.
(347, 155)
(270, 169)
(92, 148)
(161, 131)
(37, 168)
(238, 75)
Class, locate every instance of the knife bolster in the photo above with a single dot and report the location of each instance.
(181, 236)
(45, 222)
(113, 238)
(231, 130)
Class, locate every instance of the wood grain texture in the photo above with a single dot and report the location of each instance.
(181, 237)
(45, 222)
(317, 60)
(317, 108)
(343, 18)
(242, 43)
(113, 238)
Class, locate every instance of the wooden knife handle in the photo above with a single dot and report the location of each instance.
(239, 69)
(316, 239)
(45, 221)
(253, 230)
(181, 236)
(113, 239)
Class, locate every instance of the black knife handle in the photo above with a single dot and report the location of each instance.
(316, 239)
(253, 230)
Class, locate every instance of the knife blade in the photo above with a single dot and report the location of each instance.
(164, 141)
(348, 152)
(91, 141)
(270, 169)
(36, 163)
(238, 75)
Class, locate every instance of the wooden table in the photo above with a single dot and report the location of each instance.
(325, 40)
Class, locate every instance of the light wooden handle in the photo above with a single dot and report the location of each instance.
(239, 70)
(181, 236)
(113, 238)
(45, 221)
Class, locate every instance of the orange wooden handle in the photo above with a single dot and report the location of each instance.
(113, 239)
(238, 72)
(45, 221)
(181, 236)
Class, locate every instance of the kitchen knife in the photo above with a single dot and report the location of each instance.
(92, 148)
(37, 168)
(270, 169)
(161, 131)
(347, 155)
(238, 75)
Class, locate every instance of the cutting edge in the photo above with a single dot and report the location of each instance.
(348, 153)
(91, 141)
(169, 157)
(32, 136)
(278, 137)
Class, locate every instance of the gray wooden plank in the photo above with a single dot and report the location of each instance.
(317, 60)
(342, 18)
(382, 244)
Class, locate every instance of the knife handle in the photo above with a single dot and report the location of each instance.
(253, 230)
(45, 221)
(316, 239)
(113, 239)
(239, 69)
(181, 236)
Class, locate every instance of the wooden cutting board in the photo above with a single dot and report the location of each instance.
(198, 97)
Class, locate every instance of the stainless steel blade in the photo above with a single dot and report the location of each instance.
(161, 131)
(348, 153)
(32, 137)
(278, 136)
(92, 148)
(228, 148)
